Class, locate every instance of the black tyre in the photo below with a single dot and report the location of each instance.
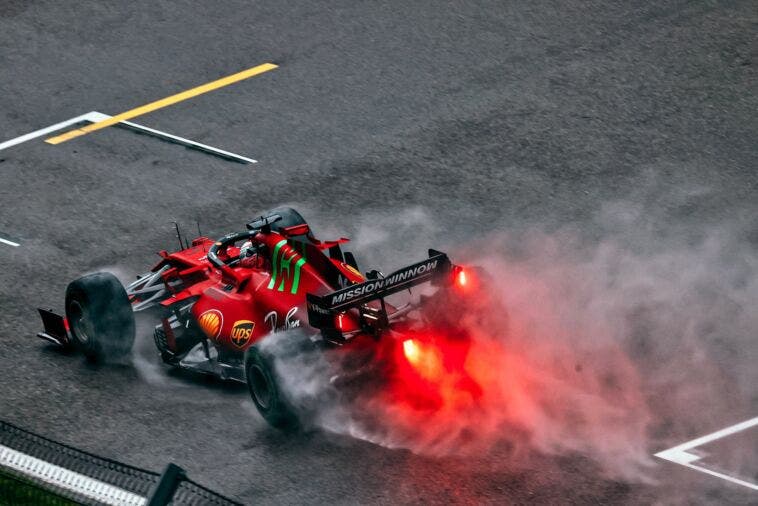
(263, 363)
(290, 218)
(100, 316)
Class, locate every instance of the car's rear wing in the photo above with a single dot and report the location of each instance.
(323, 309)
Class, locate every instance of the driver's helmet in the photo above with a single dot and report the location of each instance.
(252, 255)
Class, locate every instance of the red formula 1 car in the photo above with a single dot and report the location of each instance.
(217, 303)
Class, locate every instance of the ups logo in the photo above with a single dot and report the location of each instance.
(241, 332)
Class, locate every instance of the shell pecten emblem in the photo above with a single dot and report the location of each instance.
(211, 322)
(242, 332)
(353, 270)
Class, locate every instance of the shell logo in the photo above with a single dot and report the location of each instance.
(211, 322)
(353, 270)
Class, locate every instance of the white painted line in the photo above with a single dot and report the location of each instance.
(679, 455)
(94, 117)
(9, 243)
(45, 131)
(65, 479)
(189, 143)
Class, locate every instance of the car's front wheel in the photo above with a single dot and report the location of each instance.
(100, 316)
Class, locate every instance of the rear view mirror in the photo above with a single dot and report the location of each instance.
(302, 229)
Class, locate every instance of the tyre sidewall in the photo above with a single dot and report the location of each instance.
(281, 413)
(278, 413)
(109, 314)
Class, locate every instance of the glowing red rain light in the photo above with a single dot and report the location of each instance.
(340, 323)
(461, 278)
(425, 359)
(411, 350)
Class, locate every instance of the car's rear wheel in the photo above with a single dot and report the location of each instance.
(261, 386)
(265, 390)
(100, 316)
(264, 363)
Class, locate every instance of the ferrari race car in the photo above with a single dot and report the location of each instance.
(217, 304)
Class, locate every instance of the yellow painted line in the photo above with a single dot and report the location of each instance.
(159, 104)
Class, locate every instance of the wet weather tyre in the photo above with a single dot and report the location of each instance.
(266, 391)
(100, 316)
(264, 380)
(288, 218)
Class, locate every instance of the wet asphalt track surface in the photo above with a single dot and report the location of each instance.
(486, 115)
